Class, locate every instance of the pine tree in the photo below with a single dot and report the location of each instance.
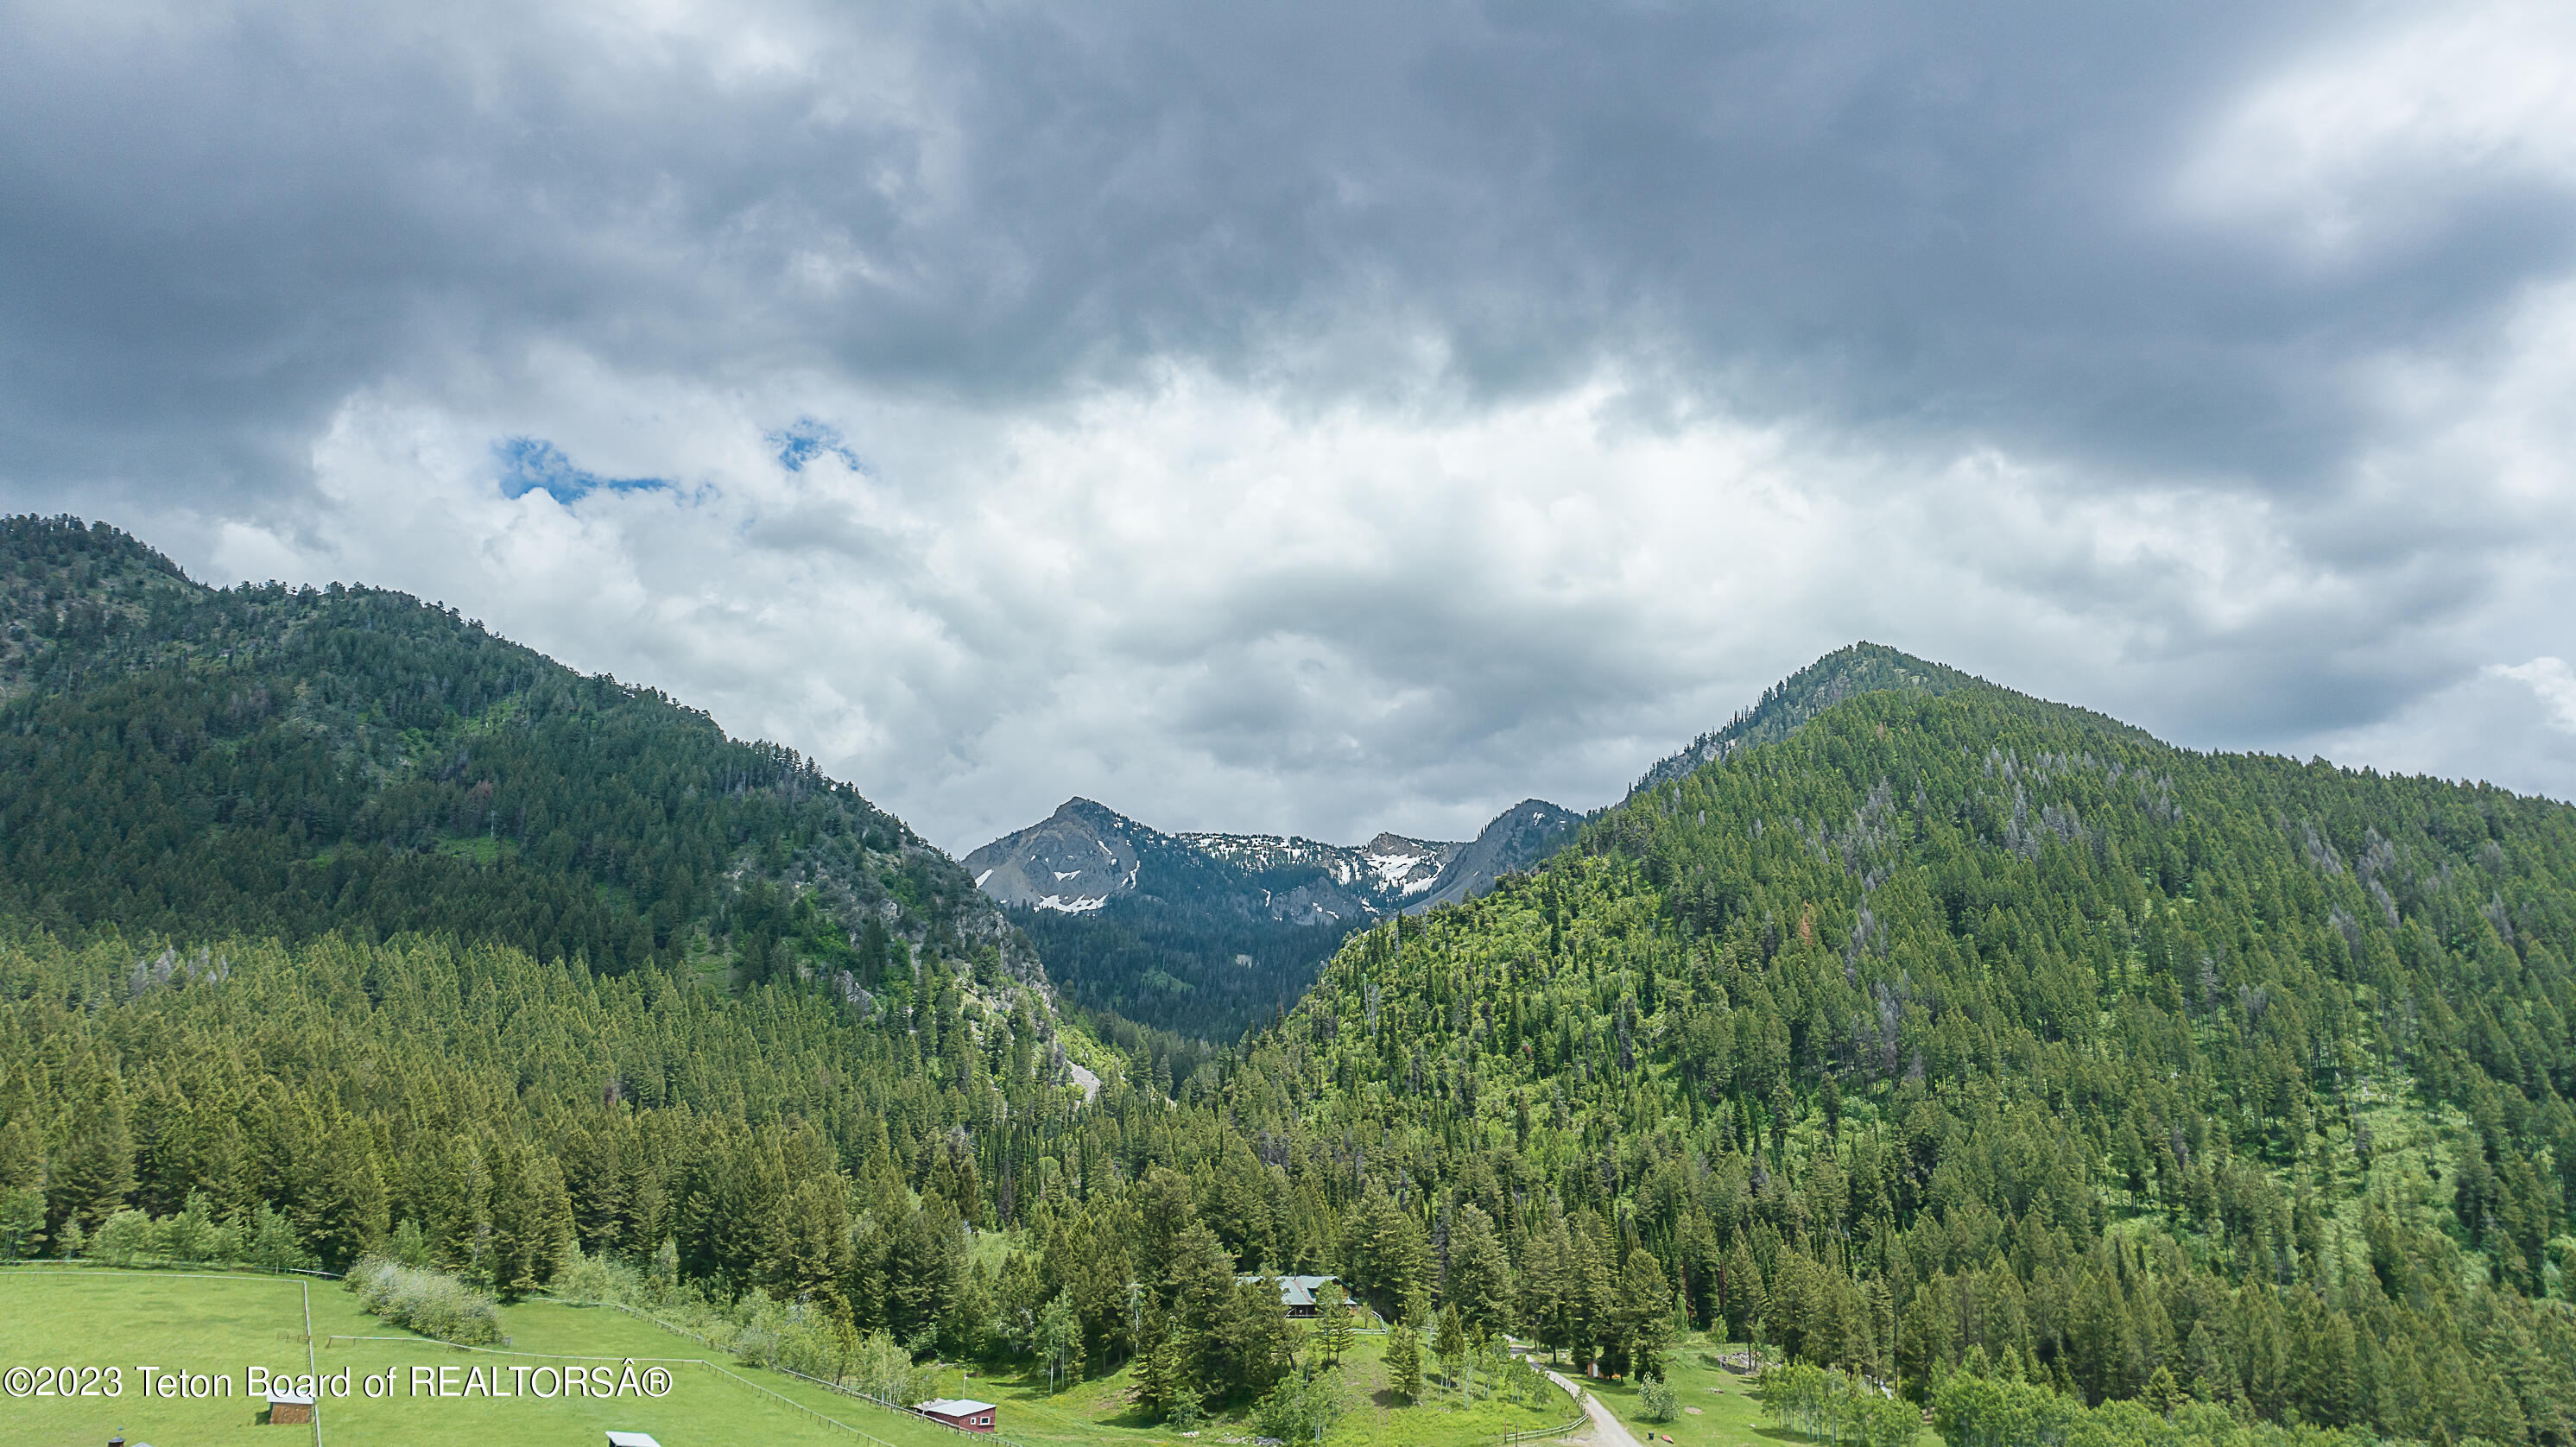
(272, 1245)
(1451, 1344)
(96, 1170)
(2163, 1393)
(520, 1253)
(1252, 1341)
(1333, 1312)
(22, 1222)
(1404, 1360)
(1158, 1371)
(347, 1215)
(1479, 1273)
(22, 1154)
(1643, 1297)
(1201, 1299)
(1542, 1281)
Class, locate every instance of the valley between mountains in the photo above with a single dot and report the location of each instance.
(1943, 1049)
(1206, 934)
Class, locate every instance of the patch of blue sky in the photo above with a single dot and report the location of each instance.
(805, 439)
(532, 464)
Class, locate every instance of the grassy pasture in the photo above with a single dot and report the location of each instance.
(1704, 1374)
(1095, 1413)
(1727, 1416)
(224, 1324)
(214, 1323)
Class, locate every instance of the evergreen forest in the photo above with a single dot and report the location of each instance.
(299, 762)
(1191, 972)
(1979, 1047)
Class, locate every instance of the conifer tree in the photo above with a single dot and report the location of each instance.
(272, 1245)
(1404, 1360)
(1542, 1286)
(1643, 1303)
(1479, 1273)
(1333, 1313)
(22, 1222)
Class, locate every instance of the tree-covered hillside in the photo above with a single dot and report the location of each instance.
(1207, 935)
(1199, 973)
(506, 1108)
(1847, 672)
(268, 760)
(1960, 1023)
(1945, 1035)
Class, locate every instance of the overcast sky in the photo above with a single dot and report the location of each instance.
(1332, 418)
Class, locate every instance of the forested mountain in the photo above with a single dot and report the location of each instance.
(1205, 933)
(1956, 1029)
(1084, 856)
(1844, 673)
(1947, 1035)
(492, 1110)
(192, 761)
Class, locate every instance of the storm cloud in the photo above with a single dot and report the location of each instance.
(1339, 417)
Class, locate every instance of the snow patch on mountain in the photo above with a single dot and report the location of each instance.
(1104, 855)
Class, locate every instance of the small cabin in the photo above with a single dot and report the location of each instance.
(1297, 1293)
(285, 1408)
(958, 1412)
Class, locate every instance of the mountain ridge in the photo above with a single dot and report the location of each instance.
(1847, 672)
(2058, 1079)
(297, 761)
(1207, 932)
(1937, 1029)
(1086, 854)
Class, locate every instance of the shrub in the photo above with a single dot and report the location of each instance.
(653, 1290)
(432, 1303)
(1661, 1403)
(793, 1336)
(882, 1368)
(583, 1277)
(1299, 1409)
(123, 1238)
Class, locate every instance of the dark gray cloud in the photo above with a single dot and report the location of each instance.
(1923, 215)
(2195, 359)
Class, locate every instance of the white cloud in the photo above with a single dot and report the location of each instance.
(2552, 682)
(1337, 420)
(2372, 137)
(2514, 726)
(1215, 610)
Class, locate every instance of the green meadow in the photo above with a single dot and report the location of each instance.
(207, 1325)
(1096, 1413)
